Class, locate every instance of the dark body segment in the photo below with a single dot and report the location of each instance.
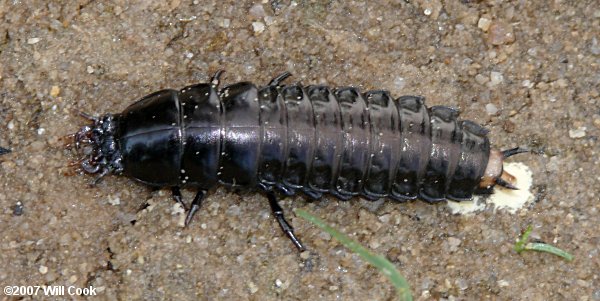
(241, 136)
(273, 119)
(300, 136)
(329, 139)
(202, 124)
(384, 152)
(415, 147)
(445, 151)
(150, 138)
(474, 154)
(355, 149)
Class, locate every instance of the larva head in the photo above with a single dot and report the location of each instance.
(494, 172)
(97, 146)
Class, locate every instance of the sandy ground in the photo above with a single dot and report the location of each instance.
(528, 70)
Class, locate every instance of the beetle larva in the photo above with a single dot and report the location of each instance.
(294, 138)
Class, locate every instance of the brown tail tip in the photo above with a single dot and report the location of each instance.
(501, 182)
(506, 180)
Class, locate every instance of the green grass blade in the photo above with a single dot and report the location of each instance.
(542, 247)
(382, 264)
(522, 245)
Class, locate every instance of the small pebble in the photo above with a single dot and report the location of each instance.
(454, 242)
(491, 109)
(596, 294)
(595, 47)
(257, 11)
(89, 69)
(562, 83)
(553, 164)
(41, 131)
(54, 91)
(500, 33)
(253, 288)
(234, 210)
(496, 78)
(305, 255)
(374, 244)
(225, 23)
(43, 269)
(481, 79)
(114, 201)
(583, 283)
(399, 83)
(503, 283)
(177, 209)
(37, 146)
(484, 24)
(385, 218)
(462, 284)
(527, 84)
(278, 283)
(32, 41)
(325, 236)
(258, 27)
(577, 133)
(597, 122)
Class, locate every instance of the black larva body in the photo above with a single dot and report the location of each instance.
(308, 139)
(294, 139)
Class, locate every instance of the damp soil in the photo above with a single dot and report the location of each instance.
(527, 70)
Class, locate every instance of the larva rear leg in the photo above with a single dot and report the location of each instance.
(280, 217)
(285, 226)
(215, 80)
(195, 206)
(196, 203)
(279, 78)
(176, 193)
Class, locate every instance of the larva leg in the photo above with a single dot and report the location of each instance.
(215, 80)
(195, 206)
(280, 216)
(176, 193)
(279, 78)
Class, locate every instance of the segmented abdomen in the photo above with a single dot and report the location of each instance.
(316, 140)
